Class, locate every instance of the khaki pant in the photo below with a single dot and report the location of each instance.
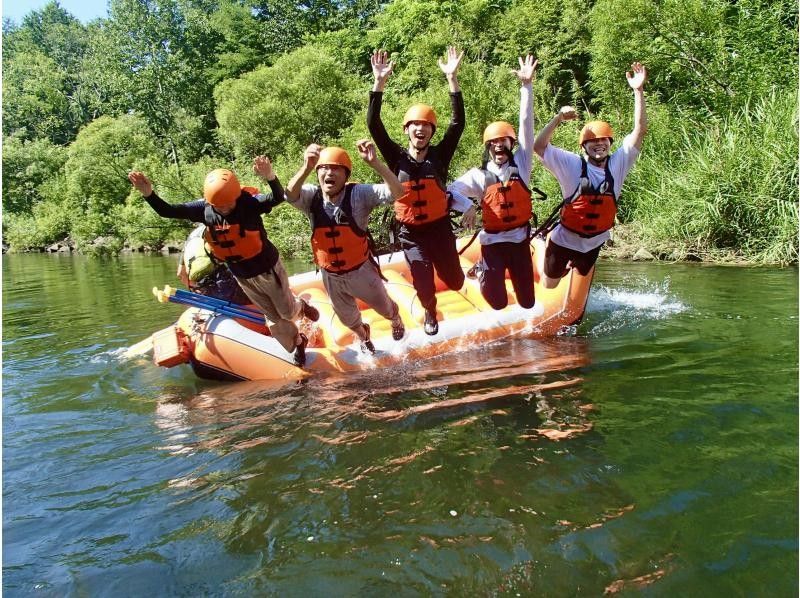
(365, 284)
(270, 292)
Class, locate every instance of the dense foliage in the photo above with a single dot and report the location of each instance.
(176, 87)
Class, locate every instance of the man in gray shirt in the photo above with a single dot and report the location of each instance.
(339, 215)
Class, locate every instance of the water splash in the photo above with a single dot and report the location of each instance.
(625, 307)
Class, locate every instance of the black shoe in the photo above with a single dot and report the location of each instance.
(309, 311)
(398, 329)
(431, 325)
(300, 351)
(367, 346)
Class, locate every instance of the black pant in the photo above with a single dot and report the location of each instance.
(556, 258)
(496, 258)
(427, 248)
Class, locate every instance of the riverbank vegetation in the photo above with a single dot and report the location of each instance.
(178, 87)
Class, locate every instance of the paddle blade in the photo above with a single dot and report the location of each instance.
(143, 347)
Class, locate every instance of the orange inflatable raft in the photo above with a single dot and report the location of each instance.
(226, 348)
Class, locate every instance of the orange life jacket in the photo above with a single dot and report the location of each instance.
(231, 241)
(338, 243)
(591, 210)
(425, 199)
(505, 205)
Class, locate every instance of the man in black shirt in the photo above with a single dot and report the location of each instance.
(425, 235)
(236, 235)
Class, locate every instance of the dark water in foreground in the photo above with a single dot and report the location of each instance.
(654, 452)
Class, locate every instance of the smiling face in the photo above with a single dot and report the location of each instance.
(499, 149)
(597, 149)
(419, 133)
(332, 179)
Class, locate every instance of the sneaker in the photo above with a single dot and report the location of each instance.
(309, 311)
(367, 346)
(300, 351)
(431, 325)
(398, 329)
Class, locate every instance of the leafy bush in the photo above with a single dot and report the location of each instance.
(305, 96)
(27, 165)
(729, 184)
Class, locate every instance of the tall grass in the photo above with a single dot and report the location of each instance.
(720, 186)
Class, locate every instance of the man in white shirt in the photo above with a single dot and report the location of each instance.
(501, 184)
(590, 186)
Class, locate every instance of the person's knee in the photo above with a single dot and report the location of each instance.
(495, 295)
(526, 302)
(549, 282)
(497, 302)
(452, 277)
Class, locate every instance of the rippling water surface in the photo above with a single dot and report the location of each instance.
(654, 450)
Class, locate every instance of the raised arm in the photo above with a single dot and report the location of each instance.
(525, 74)
(546, 134)
(450, 66)
(636, 80)
(366, 149)
(187, 211)
(310, 159)
(381, 69)
(262, 167)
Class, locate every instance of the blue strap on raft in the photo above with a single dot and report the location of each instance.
(218, 306)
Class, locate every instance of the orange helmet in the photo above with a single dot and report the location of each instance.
(421, 112)
(595, 129)
(499, 129)
(335, 156)
(221, 188)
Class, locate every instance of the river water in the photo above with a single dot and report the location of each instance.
(654, 451)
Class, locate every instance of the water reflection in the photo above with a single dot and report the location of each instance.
(540, 375)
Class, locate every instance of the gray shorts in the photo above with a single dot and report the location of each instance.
(272, 295)
(363, 283)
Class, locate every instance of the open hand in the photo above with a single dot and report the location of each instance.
(140, 182)
(453, 60)
(636, 78)
(263, 168)
(381, 65)
(526, 69)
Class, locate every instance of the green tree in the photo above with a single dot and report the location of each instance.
(710, 55)
(41, 82)
(305, 96)
(557, 34)
(151, 59)
(27, 166)
(96, 184)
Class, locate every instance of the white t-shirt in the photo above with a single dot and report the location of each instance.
(473, 182)
(566, 167)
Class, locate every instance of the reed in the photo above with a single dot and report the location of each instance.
(723, 185)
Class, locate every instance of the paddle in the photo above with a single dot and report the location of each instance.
(212, 301)
(143, 347)
(203, 302)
